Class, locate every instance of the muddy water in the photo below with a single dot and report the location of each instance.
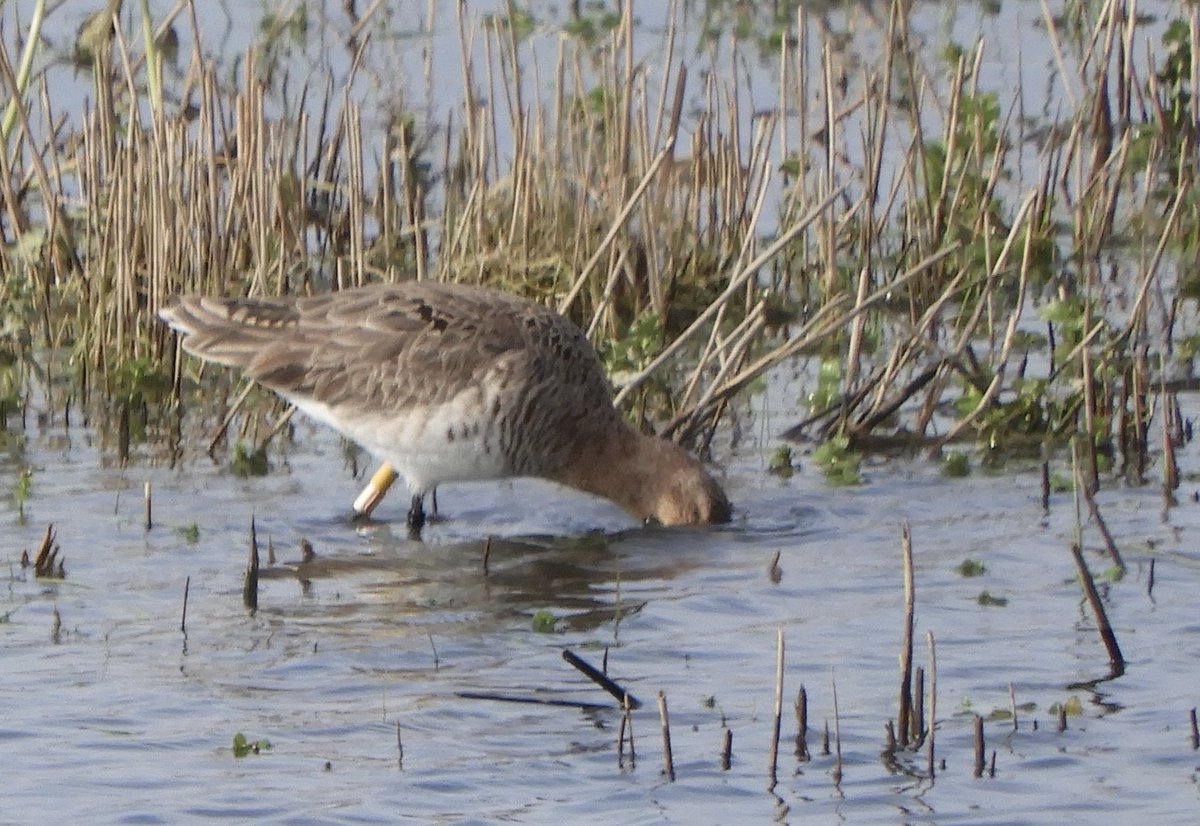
(121, 715)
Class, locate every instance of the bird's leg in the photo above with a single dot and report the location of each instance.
(433, 511)
(416, 512)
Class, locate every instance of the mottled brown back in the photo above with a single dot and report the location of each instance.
(388, 348)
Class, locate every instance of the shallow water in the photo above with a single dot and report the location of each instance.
(123, 716)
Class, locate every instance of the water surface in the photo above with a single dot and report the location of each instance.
(122, 714)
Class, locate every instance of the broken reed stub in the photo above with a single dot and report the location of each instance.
(375, 490)
(250, 582)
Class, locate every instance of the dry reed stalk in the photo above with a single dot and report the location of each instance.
(929, 644)
(837, 736)
(1110, 544)
(736, 283)
(917, 729)
(250, 583)
(802, 724)
(187, 585)
(665, 724)
(777, 720)
(980, 749)
(626, 727)
(1170, 480)
(1012, 704)
(1091, 482)
(903, 717)
(601, 679)
(399, 748)
(1108, 637)
(582, 279)
(818, 327)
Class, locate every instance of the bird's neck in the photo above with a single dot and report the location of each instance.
(622, 465)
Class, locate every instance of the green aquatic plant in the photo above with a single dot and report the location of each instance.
(594, 22)
(243, 746)
(1071, 707)
(1061, 482)
(955, 464)
(1113, 573)
(18, 316)
(247, 461)
(283, 31)
(989, 600)
(629, 354)
(1174, 77)
(140, 380)
(781, 463)
(516, 21)
(1003, 713)
(543, 622)
(21, 490)
(11, 388)
(971, 568)
(829, 386)
(839, 464)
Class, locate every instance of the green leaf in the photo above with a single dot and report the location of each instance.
(543, 622)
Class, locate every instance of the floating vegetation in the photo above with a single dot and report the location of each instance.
(989, 600)
(971, 567)
(1071, 707)
(837, 461)
(543, 622)
(242, 746)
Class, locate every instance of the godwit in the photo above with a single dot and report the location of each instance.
(448, 382)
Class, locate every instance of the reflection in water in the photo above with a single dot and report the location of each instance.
(585, 581)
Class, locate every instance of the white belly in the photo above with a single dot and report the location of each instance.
(450, 442)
